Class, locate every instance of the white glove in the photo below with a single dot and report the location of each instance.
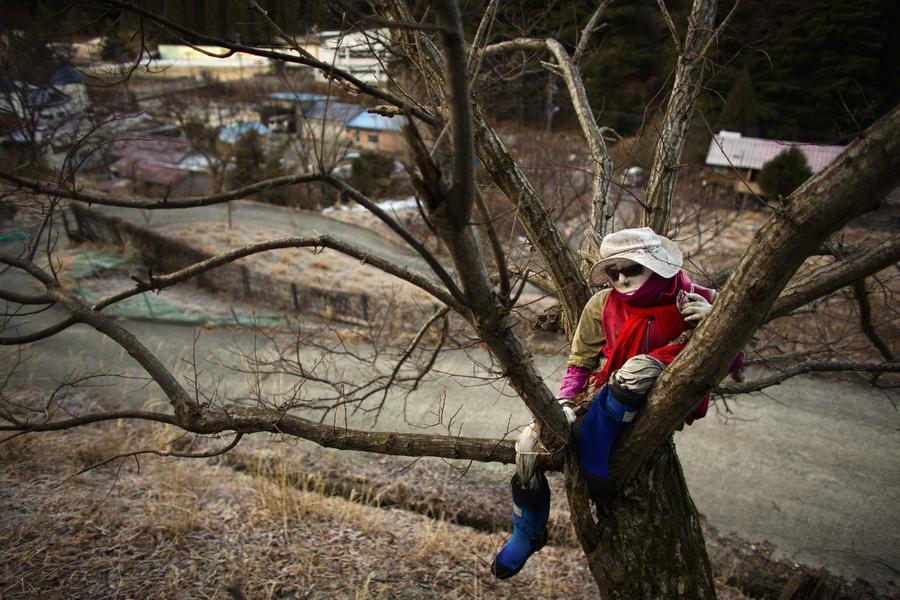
(695, 308)
(528, 444)
(568, 407)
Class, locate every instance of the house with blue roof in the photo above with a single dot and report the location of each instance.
(371, 131)
(324, 124)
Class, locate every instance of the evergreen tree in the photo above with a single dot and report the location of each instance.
(784, 173)
(740, 111)
(249, 159)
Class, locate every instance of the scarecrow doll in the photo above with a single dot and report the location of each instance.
(624, 339)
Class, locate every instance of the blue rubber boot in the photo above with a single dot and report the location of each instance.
(596, 433)
(531, 508)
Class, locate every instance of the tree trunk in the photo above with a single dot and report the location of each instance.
(647, 541)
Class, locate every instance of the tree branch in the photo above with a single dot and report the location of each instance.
(865, 320)
(685, 90)
(11, 296)
(159, 282)
(255, 420)
(837, 275)
(392, 223)
(460, 105)
(509, 178)
(590, 28)
(102, 199)
(36, 336)
(670, 24)
(90, 419)
(745, 387)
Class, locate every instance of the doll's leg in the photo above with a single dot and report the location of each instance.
(614, 407)
(531, 508)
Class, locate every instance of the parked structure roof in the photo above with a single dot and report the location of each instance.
(65, 75)
(151, 159)
(374, 122)
(332, 111)
(297, 97)
(731, 149)
(233, 133)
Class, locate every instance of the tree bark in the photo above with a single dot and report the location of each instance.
(647, 541)
(685, 89)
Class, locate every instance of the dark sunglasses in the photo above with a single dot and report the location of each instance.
(629, 271)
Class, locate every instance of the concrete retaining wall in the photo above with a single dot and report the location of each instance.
(166, 254)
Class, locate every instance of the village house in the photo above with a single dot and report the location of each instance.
(375, 132)
(156, 166)
(283, 111)
(362, 53)
(737, 160)
(324, 125)
(185, 61)
(50, 116)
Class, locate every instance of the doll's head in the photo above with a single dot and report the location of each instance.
(628, 258)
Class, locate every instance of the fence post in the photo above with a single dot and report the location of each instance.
(245, 275)
(294, 296)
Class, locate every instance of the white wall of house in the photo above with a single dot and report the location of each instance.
(361, 53)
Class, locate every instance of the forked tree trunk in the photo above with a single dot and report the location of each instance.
(646, 541)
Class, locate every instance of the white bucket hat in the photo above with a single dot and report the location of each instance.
(659, 254)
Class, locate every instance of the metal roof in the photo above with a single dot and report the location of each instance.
(332, 111)
(233, 133)
(375, 122)
(731, 149)
(65, 75)
(297, 97)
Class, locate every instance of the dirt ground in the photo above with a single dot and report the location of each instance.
(151, 526)
(84, 515)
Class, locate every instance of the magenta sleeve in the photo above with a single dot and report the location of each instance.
(574, 382)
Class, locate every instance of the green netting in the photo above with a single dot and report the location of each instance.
(150, 306)
(13, 234)
(91, 261)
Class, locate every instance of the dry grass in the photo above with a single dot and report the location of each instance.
(315, 268)
(187, 529)
(170, 528)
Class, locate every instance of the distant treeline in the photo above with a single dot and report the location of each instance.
(787, 69)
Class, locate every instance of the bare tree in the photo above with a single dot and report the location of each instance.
(646, 541)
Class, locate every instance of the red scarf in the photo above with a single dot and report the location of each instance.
(631, 330)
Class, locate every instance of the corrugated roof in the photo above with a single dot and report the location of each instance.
(332, 111)
(150, 148)
(297, 97)
(729, 149)
(375, 122)
(233, 133)
(65, 75)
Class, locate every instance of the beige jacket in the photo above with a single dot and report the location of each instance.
(589, 337)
